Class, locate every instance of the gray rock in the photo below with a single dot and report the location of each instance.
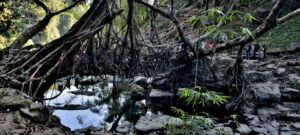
(293, 106)
(89, 80)
(69, 107)
(247, 108)
(161, 83)
(141, 80)
(267, 113)
(38, 113)
(256, 76)
(294, 81)
(290, 94)
(244, 129)
(154, 122)
(296, 126)
(124, 127)
(272, 127)
(83, 92)
(155, 93)
(12, 99)
(224, 130)
(260, 129)
(266, 93)
(280, 72)
(291, 117)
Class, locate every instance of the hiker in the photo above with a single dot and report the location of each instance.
(262, 53)
(209, 45)
(256, 51)
(248, 52)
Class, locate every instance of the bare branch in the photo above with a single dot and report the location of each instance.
(176, 23)
(67, 8)
(289, 16)
(270, 22)
(41, 4)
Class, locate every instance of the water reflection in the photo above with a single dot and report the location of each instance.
(77, 108)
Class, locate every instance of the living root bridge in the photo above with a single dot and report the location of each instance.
(42, 67)
(94, 43)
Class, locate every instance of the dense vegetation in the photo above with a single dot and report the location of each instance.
(175, 42)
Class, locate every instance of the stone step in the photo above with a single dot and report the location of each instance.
(294, 106)
(290, 94)
(295, 117)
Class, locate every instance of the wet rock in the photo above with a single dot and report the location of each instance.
(293, 106)
(155, 93)
(141, 80)
(293, 81)
(291, 117)
(87, 130)
(272, 127)
(219, 130)
(266, 93)
(69, 107)
(36, 112)
(244, 129)
(161, 83)
(83, 92)
(280, 72)
(256, 76)
(89, 80)
(124, 128)
(267, 113)
(12, 99)
(154, 122)
(137, 91)
(247, 108)
(252, 119)
(296, 126)
(290, 94)
(260, 129)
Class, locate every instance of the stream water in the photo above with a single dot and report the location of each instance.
(93, 106)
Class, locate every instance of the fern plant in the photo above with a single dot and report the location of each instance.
(196, 124)
(200, 96)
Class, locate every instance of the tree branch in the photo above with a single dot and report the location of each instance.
(289, 16)
(41, 4)
(176, 23)
(269, 22)
(32, 31)
(67, 8)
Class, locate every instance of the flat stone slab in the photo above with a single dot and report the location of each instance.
(156, 93)
(155, 122)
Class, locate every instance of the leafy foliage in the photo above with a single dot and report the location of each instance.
(215, 16)
(198, 96)
(195, 124)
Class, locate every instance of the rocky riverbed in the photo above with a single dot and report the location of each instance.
(140, 105)
(19, 115)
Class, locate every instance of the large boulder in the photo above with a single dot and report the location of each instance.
(156, 93)
(244, 129)
(293, 81)
(256, 76)
(161, 83)
(37, 112)
(12, 99)
(124, 127)
(266, 93)
(154, 122)
(141, 80)
(279, 72)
